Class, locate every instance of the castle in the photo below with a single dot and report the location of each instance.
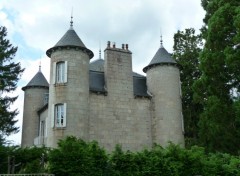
(103, 100)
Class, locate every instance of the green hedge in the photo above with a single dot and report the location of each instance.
(75, 157)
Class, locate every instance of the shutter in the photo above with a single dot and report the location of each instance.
(46, 127)
(65, 114)
(65, 71)
(54, 73)
(182, 122)
(53, 116)
(40, 128)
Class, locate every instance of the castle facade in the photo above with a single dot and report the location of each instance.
(103, 100)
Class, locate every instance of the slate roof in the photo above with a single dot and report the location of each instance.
(161, 57)
(70, 40)
(98, 65)
(97, 80)
(37, 81)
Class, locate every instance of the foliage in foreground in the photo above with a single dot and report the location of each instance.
(75, 157)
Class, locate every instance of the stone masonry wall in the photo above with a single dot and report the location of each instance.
(120, 121)
(164, 84)
(33, 99)
(75, 93)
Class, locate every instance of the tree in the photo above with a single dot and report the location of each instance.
(218, 87)
(76, 157)
(186, 51)
(10, 73)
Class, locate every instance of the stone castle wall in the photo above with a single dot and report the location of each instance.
(75, 93)
(115, 120)
(33, 99)
(164, 84)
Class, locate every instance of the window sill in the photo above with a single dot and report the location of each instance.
(59, 128)
(60, 84)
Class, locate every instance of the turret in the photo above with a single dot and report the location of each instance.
(69, 88)
(34, 98)
(163, 82)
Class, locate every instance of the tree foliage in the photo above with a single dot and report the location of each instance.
(23, 160)
(186, 51)
(9, 75)
(217, 90)
(76, 157)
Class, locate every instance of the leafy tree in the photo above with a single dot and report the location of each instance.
(218, 88)
(31, 159)
(10, 73)
(186, 51)
(75, 157)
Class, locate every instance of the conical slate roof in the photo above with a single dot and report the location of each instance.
(70, 40)
(161, 57)
(37, 81)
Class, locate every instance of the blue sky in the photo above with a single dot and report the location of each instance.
(37, 25)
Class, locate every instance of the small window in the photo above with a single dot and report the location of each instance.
(60, 72)
(59, 115)
(46, 97)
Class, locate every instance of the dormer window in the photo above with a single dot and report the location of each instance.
(60, 72)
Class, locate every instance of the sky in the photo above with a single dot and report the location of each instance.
(37, 25)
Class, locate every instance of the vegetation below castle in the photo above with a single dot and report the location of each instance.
(76, 157)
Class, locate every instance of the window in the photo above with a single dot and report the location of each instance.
(45, 99)
(42, 128)
(60, 72)
(59, 115)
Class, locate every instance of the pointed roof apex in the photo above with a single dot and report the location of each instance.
(38, 81)
(70, 40)
(162, 57)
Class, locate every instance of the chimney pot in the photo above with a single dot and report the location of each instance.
(123, 47)
(126, 46)
(108, 44)
(114, 44)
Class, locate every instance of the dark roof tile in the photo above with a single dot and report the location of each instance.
(72, 40)
(161, 57)
(37, 81)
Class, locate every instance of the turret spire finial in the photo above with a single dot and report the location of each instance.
(161, 41)
(100, 54)
(39, 66)
(71, 22)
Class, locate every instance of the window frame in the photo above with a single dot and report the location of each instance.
(59, 115)
(60, 70)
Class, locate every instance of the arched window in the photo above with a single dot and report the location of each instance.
(60, 72)
(59, 115)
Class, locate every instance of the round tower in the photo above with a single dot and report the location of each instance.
(163, 82)
(34, 93)
(69, 88)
